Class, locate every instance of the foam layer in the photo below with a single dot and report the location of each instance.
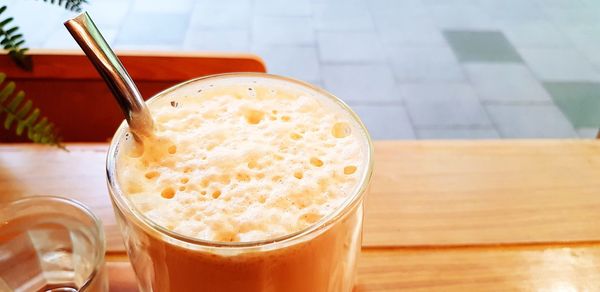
(244, 161)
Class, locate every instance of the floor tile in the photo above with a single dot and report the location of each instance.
(579, 101)
(571, 13)
(283, 8)
(530, 121)
(282, 30)
(401, 9)
(449, 16)
(35, 32)
(505, 82)
(368, 83)
(222, 14)
(481, 46)
(518, 11)
(418, 31)
(109, 14)
(385, 122)
(534, 34)
(349, 47)
(559, 65)
(583, 35)
(587, 133)
(143, 29)
(424, 64)
(466, 133)
(160, 6)
(443, 105)
(304, 59)
(237, 40)
(337, 16)
(61, 39)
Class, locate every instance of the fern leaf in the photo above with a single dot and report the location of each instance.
(12, 41)
(6, 21)
(13, 110)
(20, 127)
(24, 110)
(73, 5)
(16, 101)
(6, 91)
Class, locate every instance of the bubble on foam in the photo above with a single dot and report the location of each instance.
(316, 162)
(341, 130)
(244, 163)
(168, 193)
(349, 169)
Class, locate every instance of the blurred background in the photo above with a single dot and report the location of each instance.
(412, 69)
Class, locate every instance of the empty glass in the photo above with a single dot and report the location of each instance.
(50, 244)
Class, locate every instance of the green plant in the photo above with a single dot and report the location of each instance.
(73, 5)
(12, 107)
(19, 114)
(13, 42)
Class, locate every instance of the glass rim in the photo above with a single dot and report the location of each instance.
(86, 211)
(130, 211)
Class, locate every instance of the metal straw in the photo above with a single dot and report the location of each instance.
(89, 38)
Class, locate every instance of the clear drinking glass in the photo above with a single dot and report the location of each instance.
(50, 244)
(320, 258)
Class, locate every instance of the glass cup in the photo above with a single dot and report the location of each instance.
(50, 244)
(320, 258)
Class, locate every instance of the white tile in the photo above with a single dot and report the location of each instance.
(571, 13)
(368, 83)
(237, 40)
(61, 39)
(281, 30)
(448, 15)
(458, 133)
(221, 14)
(530, 121)
(385, 122)
(108, 14)
(419, 31)
(424, 64)
(587, 133)
(534, 34)
(349, 47)
(505, 83)
(283, 8)
(338, 16)
(559, 65)
(518, 11)
(36, 30)
(443, 105)
(141, 29)
(399, 9)
(171, 6)
(583, 36)
(293, 61)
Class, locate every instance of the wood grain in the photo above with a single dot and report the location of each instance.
(65, 81)
(465, 192)
(424, 193)
(481, 269)
(535, 268)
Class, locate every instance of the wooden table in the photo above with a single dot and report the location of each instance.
(441, 215)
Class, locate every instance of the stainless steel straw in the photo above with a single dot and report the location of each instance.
(89, 38)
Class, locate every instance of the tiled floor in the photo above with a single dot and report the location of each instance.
(412, 69)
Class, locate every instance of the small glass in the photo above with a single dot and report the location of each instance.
(50, 244)
(321, 257)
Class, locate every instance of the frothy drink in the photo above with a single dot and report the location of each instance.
(253, 183)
